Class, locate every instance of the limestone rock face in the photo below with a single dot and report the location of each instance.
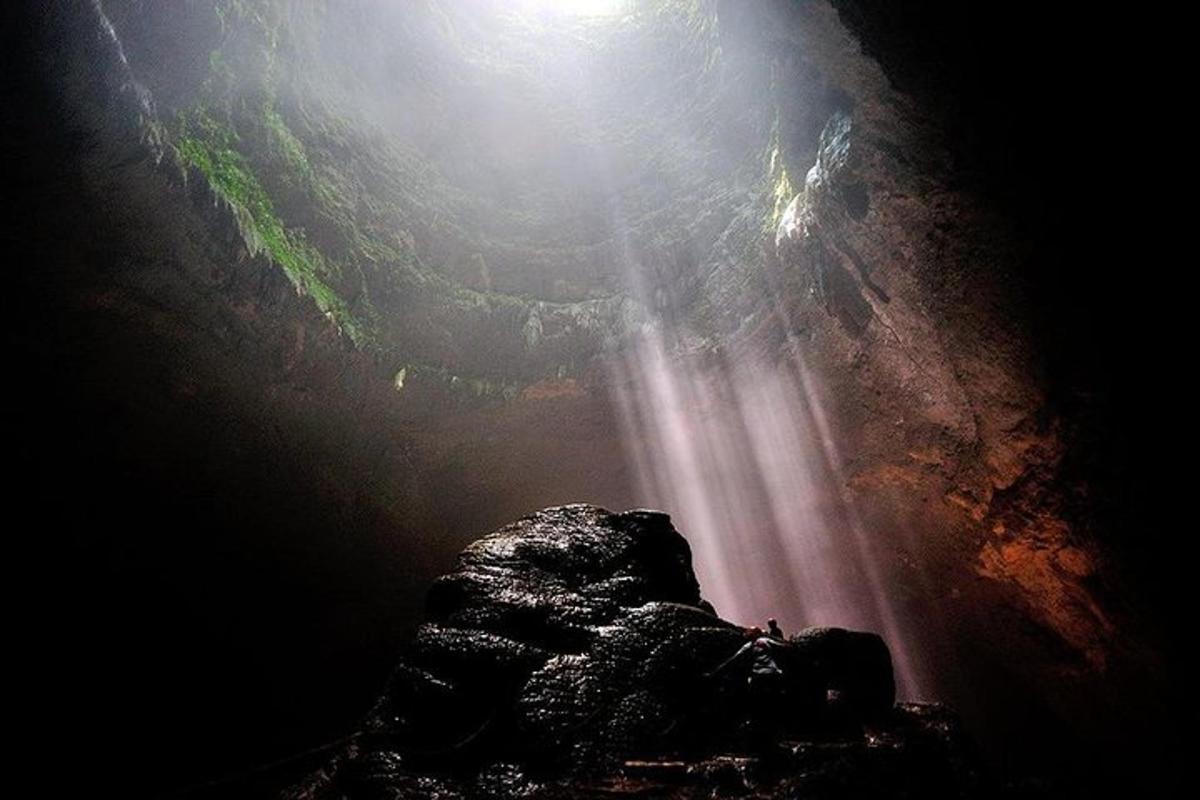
(571, 650)
(905, 291)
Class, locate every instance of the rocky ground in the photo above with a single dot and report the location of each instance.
(570, 654)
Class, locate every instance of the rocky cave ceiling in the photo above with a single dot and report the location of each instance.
(464, 173)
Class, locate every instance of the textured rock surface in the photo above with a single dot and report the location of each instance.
(570, 654)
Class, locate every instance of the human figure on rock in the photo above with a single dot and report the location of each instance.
(758, 659)
(767, 686)
(778, 686)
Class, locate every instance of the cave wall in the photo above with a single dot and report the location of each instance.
(918, 272)
(245, 508)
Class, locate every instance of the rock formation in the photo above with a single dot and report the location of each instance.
(570, 653)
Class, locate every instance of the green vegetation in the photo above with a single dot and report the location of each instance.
(400, 249)
(212, 147)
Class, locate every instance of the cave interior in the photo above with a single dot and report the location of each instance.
(311, 296)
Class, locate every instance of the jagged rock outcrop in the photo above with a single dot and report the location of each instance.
(571, 653)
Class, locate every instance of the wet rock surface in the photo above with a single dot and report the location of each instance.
(570, 654)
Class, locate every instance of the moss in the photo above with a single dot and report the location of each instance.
(285, 143)
(212, 147)
(382, 236)
(285, 148)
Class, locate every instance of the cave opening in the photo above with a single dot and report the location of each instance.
(332, 291)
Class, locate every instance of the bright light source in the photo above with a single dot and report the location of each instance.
(577, 8)
(591, 8)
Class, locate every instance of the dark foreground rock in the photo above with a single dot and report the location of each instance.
(570, 654)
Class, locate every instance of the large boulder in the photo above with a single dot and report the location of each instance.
(571, 652)
(580, 634)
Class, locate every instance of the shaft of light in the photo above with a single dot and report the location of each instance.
(742, 456)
